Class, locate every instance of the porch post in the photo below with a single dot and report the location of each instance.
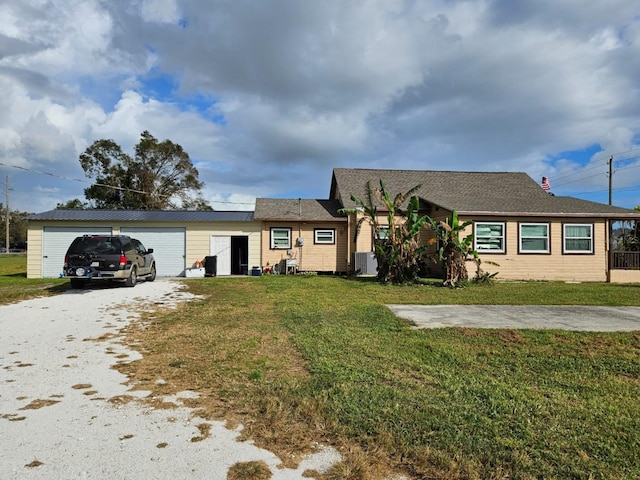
(609, 249)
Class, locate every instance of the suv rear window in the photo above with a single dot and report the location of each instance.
(100, 245)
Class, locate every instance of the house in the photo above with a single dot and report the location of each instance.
(179, 238)
(520, 231)
(528, 233)
(306, 235)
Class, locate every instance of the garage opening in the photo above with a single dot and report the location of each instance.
(239, 255)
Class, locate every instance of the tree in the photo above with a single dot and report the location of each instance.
(160, 176)
(397, 245)
(628, 240)
(75, 204)
(17, 228)
(454, 252)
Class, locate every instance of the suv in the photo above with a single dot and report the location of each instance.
(108, 257)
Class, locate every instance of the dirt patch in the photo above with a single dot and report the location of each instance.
(39, 403)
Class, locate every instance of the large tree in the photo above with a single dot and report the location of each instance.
(160, 176)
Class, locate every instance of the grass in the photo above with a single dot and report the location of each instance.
(15, 286)
(303, 359)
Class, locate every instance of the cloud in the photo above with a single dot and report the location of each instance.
(160, 11)
(268, 97)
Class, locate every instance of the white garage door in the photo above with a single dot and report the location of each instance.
(56, 241)
(168, 245)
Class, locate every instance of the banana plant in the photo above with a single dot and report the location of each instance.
(453, 251)
(398, 252)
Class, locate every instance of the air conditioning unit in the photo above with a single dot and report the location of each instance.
(365, 263)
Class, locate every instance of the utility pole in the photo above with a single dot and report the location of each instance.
(8, 215)
(610, 180)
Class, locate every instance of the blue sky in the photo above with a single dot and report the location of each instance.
(269, 97)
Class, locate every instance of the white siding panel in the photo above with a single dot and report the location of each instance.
(168, 245)
(56, 241)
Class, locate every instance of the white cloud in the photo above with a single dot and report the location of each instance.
(160, 11)
(301, 87)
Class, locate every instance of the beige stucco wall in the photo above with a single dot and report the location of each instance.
(199, 239)
(311, 257)
(34, 250)
(197, 242)
(624, 276)
(548, 266)
(513, 265)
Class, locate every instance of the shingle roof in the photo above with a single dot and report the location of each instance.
(298, 209)
(506, 193)
(144, 216)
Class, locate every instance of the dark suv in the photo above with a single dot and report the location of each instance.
(108, 257)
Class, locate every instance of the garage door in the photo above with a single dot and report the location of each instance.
(56, 241)
(168, 245)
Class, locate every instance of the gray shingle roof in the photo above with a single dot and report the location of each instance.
(506, 193)
(298, 209)
(144, 216)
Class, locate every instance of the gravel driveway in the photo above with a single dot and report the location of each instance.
(59, 411)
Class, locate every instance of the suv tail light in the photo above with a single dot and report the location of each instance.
(66, 261)
(123, 260)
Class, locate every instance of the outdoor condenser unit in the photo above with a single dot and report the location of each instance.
(365, 263)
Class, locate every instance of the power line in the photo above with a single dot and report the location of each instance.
(577, 180)
(628, 167)
(30, 170)
(86, 182)
(598, 163)
(578, 171)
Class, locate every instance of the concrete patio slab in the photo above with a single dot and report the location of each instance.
(546, 317)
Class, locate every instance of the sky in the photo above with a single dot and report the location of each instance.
(268, 96)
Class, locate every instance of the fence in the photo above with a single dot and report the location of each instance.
(625, 260)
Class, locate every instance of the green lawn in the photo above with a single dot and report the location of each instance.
(297, 359)
(15, 286)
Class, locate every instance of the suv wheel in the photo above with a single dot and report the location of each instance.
(133, 278)
(152, 273)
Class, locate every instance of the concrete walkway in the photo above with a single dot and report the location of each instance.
(545, 317)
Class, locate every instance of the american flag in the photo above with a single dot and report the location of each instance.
(545, 184)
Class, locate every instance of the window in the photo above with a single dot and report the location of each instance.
(578, 238)
(382, 233)
(489, 237)
(534, 238)
(280, 238)
(324, 235)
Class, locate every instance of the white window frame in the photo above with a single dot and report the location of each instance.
(273, 242)
(565, 238)
(503, 237)
(547, 237)
(324, 236)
